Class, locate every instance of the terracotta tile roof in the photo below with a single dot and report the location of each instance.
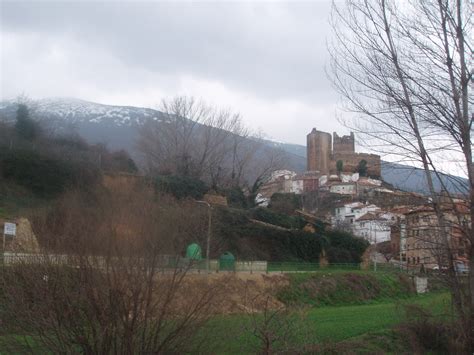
(460, 207)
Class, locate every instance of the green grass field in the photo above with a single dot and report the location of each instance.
(349, 308)
(232, 334)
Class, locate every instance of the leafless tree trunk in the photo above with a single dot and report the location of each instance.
(403, 70)
(111, 278)
(194, 139)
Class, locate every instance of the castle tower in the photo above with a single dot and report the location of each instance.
(344, 144)
(318, 151)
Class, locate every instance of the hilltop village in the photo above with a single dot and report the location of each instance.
(344, 189)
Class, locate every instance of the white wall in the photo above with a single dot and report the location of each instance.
(343, 189)
(374, 231)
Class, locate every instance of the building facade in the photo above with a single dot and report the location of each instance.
(424, 242)
(324, 151)
(319, 148)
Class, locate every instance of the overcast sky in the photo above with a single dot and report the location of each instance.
(265, 60)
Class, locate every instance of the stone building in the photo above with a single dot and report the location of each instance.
(424, 245)
(319, 149)
(324, 151)
(344, 144)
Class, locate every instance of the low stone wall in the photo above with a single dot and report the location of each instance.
(251, 266)
(351, 161)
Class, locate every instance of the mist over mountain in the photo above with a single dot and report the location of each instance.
(118, 127)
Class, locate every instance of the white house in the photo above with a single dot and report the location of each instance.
(350, 212)
(297, 185)
(365, 221)
(373, 227)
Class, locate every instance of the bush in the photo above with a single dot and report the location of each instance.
(428, 333)
(181, 186)
(118, 161)
(285, 203)
(45, 177)
(344, 247)
(235, 197)
(278, 219)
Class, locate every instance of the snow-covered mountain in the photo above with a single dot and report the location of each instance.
(117, 127)
(76, 111)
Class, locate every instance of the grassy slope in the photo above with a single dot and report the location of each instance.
(342, 288)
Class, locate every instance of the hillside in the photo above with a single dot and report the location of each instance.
(117, 127)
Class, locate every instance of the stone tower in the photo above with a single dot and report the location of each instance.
(319, 151)
(344, 144)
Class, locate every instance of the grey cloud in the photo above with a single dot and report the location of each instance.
(272, 50)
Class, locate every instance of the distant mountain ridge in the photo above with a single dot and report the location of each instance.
(76, 111)
(117, 126)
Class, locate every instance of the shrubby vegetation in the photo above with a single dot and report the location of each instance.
(47, 164)
(233, 230)
(235, 197)
(279, 219)
(285, 202)
(344, 247)
(44, 176)
(106, 294)
(181, 186)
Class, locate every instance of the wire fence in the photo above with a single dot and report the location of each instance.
(169, 262)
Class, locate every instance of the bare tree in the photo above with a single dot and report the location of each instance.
(110, 279)
(198, 140)
(191, 138)
(403, 70)
(273, 325)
